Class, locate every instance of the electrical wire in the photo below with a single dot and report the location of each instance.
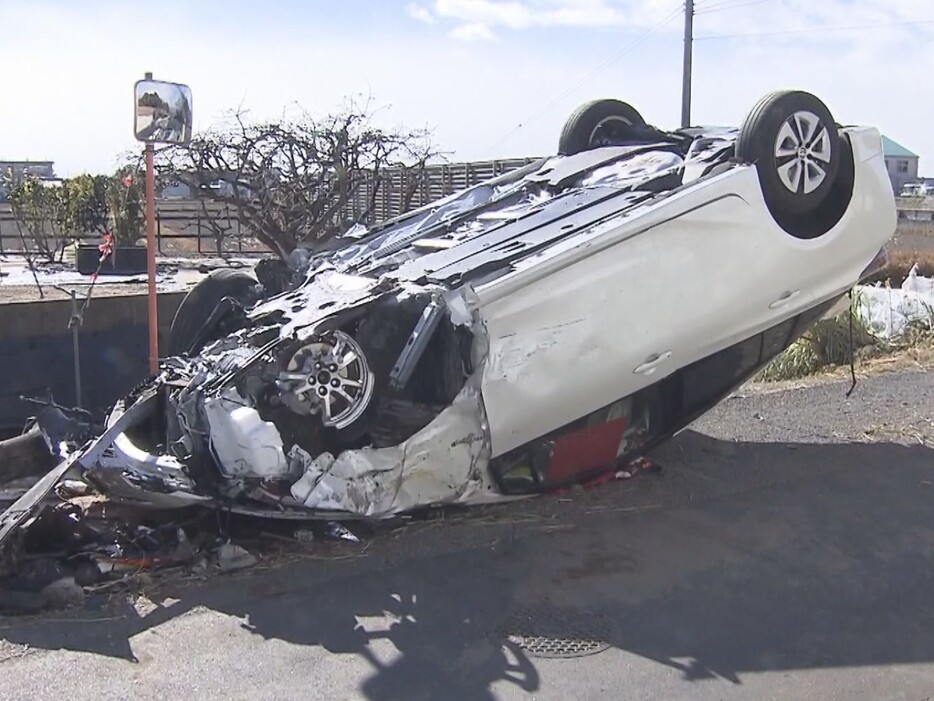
(716, 6)
(676, 12)
(812, 30)
(719, 6)
(852, 313)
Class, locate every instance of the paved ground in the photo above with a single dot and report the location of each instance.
(786, 551)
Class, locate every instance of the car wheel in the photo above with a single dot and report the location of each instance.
(198, 305)
(794, 143)
(597, 123)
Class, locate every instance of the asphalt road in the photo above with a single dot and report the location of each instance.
(783, 552)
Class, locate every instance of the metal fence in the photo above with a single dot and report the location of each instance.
(190, 227)
(182, 229)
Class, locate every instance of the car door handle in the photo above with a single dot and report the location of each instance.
(784, 299)
(652, 362)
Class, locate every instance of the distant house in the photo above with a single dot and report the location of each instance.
(20, 169)
(901, 164)
(17, 170)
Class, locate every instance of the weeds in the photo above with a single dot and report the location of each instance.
(900, 263)
(826, 343)
(826, 346)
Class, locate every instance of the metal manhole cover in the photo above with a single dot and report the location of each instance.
(548, 631)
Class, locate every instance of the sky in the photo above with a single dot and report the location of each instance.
(489, 78)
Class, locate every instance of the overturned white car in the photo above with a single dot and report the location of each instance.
(518, 336)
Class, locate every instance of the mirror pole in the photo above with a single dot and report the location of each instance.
(151, 261)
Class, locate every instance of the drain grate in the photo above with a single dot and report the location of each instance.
(549, 631)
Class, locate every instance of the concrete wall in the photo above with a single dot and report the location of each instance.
(36, 350)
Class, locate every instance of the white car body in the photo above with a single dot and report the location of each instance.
(676, 282)
(526, 333)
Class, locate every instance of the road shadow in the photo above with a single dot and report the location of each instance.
(739, 558)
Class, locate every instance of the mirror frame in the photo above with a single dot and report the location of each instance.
(153, 137)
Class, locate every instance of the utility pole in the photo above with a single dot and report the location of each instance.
(688, 52)
(151, 257)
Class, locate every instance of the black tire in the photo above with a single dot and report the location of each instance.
(594, 121)
(781, 138)
(198, 305)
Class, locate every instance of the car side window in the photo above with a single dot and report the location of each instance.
(707, 380)
(775, 339)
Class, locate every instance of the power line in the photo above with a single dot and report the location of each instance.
(719, 6)
(615, 57)
(811, 30)
(726, 4)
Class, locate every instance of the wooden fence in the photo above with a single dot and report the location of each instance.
(435, 182)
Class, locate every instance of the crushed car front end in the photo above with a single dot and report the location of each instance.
(338, 397)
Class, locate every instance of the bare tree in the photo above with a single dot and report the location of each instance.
(287, 182)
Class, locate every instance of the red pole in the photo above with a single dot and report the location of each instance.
(151, 261)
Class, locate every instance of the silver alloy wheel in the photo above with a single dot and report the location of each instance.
(802, 152)
(332, 375)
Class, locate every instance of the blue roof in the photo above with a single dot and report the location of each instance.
(891, 148)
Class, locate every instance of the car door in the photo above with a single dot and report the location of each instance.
(605, 317)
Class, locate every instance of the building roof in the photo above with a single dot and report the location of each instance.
(891, 148)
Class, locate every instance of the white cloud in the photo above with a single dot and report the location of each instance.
(525, 14)
(420, 13)
(514, 15)
(735, 16)
(473, 31)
